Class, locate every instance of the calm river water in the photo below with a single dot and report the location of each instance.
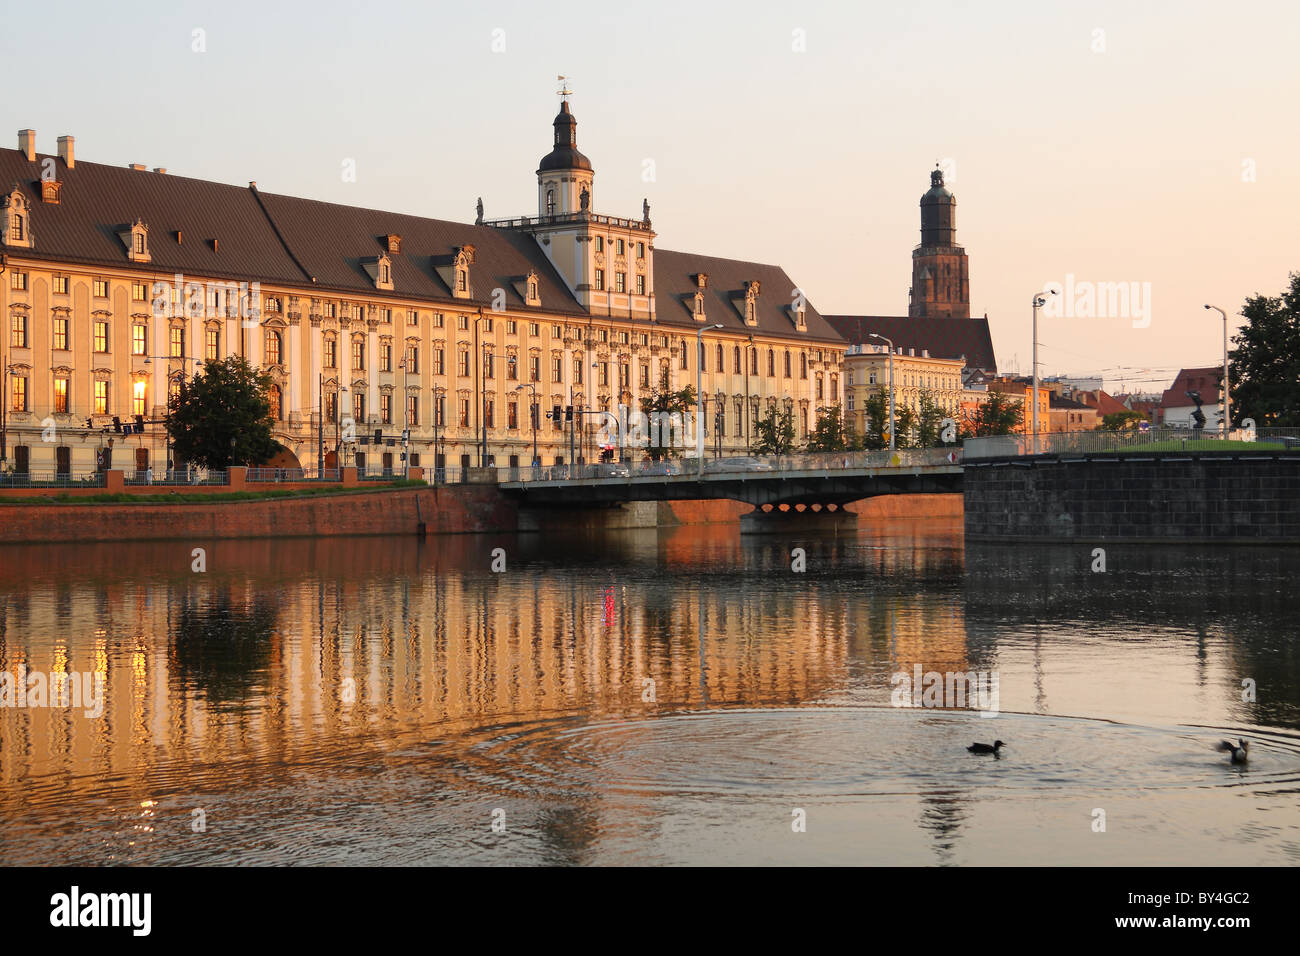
(679, 696)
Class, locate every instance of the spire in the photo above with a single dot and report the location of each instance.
(565, 153)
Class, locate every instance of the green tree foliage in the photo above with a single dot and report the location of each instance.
(999, 415)
(929, 422)
(1120, 422)
(660, 406)
(1266, 362)
(222, 416)
(876, 412)
(831, 433)
(774, 433)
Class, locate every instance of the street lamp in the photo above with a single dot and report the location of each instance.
(699, 396)
(406, 425)
(1226, 400)
(438, 392)
(532, 413)
(1040, 300)
(890, 343)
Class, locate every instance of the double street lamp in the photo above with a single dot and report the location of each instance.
(1040, 300)
(699, 395)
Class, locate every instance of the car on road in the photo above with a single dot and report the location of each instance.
(741, 463)
(610, 469)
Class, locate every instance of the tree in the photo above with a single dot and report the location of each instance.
(832, 433)
(668, 412)
(774, 433)
(1000, 414)
(929, 422)
(222, 416)
(1265, 373)
(1120, 422)
(876, 413)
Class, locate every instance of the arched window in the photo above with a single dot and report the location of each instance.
(771, 363)
(550, 202)
(736, 360)
(787, 363)
(719, 362)
(803, 365)
(272, 347)
(703, 364)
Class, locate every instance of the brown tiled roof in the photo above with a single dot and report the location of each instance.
(944, 338)
(724, 296)
(1104, 403)
(1202, 380)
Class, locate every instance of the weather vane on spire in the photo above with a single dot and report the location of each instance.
(564, 90)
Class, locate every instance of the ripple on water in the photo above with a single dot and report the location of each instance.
(862, 751)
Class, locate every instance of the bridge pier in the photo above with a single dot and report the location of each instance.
(798, 518)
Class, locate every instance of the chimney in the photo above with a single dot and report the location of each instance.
(65, 151)
(27, 143)
(139, 167)
(160, 170)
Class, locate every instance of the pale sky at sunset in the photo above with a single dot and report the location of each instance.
(1118, 166)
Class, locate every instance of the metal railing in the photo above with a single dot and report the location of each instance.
(1153, 441)
(752, 466)
(276, 475)
(51, 479)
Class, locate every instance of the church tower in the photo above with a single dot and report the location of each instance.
(940, 280)
(564, 176)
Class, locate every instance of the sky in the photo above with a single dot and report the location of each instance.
(1145, 143)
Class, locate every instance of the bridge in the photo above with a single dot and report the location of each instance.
(796, 485)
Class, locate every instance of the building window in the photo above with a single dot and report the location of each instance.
(803, 365)
(771, 363)
(577, 371)
(512, 414)
(359, 405)
(557, 331)
(512, 327)
(489, 414)
(173, 391)
(534, 368)
(412, 360)
(645, 376)
(462, 280)
(753, 360)
(60, 285)
(61, 395)
(624, 374)
(464, 413)
(619, 248)
(462, 363)
(557, 370)
(462, 322)
(139, 292)
(439, 362)
(735, 360)
(600, 280)
(489, 365)
(18, 281)
(101, 337)
(819, 388)
(684, 353)
(18, 331)
(211, 344)
(139, 339)
(358, 354)
(534, 329)
(640, 250)
(413, 411)
(101, 288)
(787, 363)
(438, 321)
(550, 202)
(139, 391)
(100, 406)
(178, 343)
(272, 347)
(600, 243)
(640, 285)
(331, 359)
(18, 393)
(849, 397)
(386, 408)
(620, 281)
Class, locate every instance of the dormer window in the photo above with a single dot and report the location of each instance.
(136, 239)
(462, 280)
(699, 306)
(17, 225)
(394, 243)
(751, 303)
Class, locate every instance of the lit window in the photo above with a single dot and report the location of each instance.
(61, 395)
(178, 343)
(211, 344)
(272, 347)
(61, 333)
(18, 281)
(138, 334)
(138, 393)
(18, 392)
(101, 289)
(18, 331)
(620, 281)
(600, 280)
(358, 355)
(101, 398)
(60, 285)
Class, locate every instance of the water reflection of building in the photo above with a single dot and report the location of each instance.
(254, 664)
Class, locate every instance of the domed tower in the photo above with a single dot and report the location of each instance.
(564, 176)
(940, 278)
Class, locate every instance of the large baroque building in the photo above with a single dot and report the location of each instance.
(118, 282)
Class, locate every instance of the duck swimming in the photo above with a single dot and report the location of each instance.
(1239, 750)
(985, 748)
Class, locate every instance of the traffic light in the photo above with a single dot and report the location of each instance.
(139, 424)
(555, 413)
(88, 423)
(568, 413)
(117, 424)
(379, 436)
(406, 435)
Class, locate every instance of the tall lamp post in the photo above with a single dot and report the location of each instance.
(1040, 300)
(406, 424)
(890, 343)
(699, 396)
(532, 412)
(438, 392)
(1226, 407)
(167, 440)
(480, 414)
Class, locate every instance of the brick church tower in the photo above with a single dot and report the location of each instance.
(940, 280)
